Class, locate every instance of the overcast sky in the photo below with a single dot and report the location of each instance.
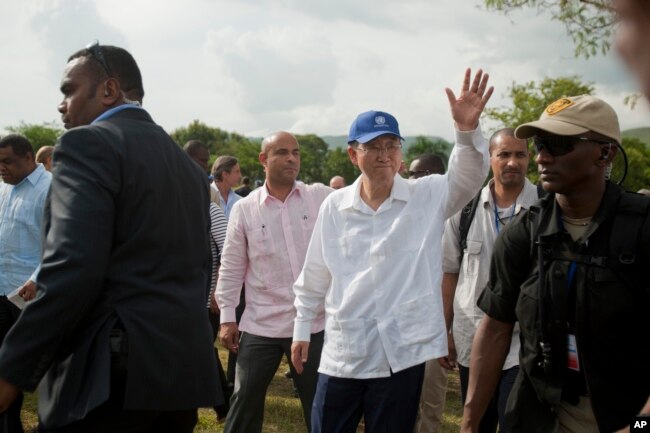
(307, 66)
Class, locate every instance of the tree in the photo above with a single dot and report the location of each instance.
(337, 163)
(589, 23)
(313, 151)
(424, 144)
(247, 152)
(216, 139)
(638, 157)
(45, 134)
(221, 143)
(530, 99)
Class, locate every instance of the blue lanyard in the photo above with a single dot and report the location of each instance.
(571, 275)
(496, 213)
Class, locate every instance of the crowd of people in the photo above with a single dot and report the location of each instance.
(121, 267)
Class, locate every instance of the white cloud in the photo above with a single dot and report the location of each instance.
(256, 66)
(276, 68)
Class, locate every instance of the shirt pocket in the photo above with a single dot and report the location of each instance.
(472, 257)
(307, 226)
(415, 322)
(25, 230)
(608, 295)
(25, 214)
(527, 311)
(347, 338)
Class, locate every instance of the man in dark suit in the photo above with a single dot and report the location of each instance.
(118, 333)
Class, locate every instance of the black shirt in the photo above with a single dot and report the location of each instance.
(603, 304)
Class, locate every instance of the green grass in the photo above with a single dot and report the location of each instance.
(453, 408)
(283, 413)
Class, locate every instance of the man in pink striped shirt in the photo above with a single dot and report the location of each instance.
(266, 242)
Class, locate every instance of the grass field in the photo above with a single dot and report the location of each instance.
(283, 413)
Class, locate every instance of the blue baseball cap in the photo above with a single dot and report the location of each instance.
(372, 124)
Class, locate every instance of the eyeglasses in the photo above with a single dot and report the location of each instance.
(419, 173)
(95, 50)
(558, 145)
(391, 149)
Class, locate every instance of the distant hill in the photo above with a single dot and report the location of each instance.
(342, 140)
(642, 134)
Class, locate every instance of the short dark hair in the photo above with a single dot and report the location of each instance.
(18, 143)
(122, 65)
(246, 180)
(503, 132)
(193, 145)
(223, 164)
(434, 161)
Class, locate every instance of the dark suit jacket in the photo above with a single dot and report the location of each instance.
(126, 236)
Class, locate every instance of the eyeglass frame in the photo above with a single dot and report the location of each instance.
(569, 143)
(376, 150)
(96, 53)
(417, 172)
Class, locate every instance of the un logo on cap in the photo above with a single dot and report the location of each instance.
(380, 120)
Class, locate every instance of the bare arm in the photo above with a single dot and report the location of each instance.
(489, 351)
(449, 283)
(8, 393)
(451, 261)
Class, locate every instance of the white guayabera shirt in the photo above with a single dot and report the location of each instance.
(378, 273)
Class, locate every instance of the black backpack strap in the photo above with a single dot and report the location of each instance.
(626, 246)
(535, 215)
(540, 191)
(466, 217)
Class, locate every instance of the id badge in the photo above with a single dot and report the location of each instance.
(572, 353)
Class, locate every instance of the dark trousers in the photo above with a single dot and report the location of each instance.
(111, 417)
(222, 409)
(388, 404)
(10, 419)
(257, 361)
(494, 415)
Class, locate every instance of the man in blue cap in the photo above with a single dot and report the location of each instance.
(374, 262)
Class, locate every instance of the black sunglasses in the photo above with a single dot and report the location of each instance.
(558, 145)
(419, 173)
(95, 50)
